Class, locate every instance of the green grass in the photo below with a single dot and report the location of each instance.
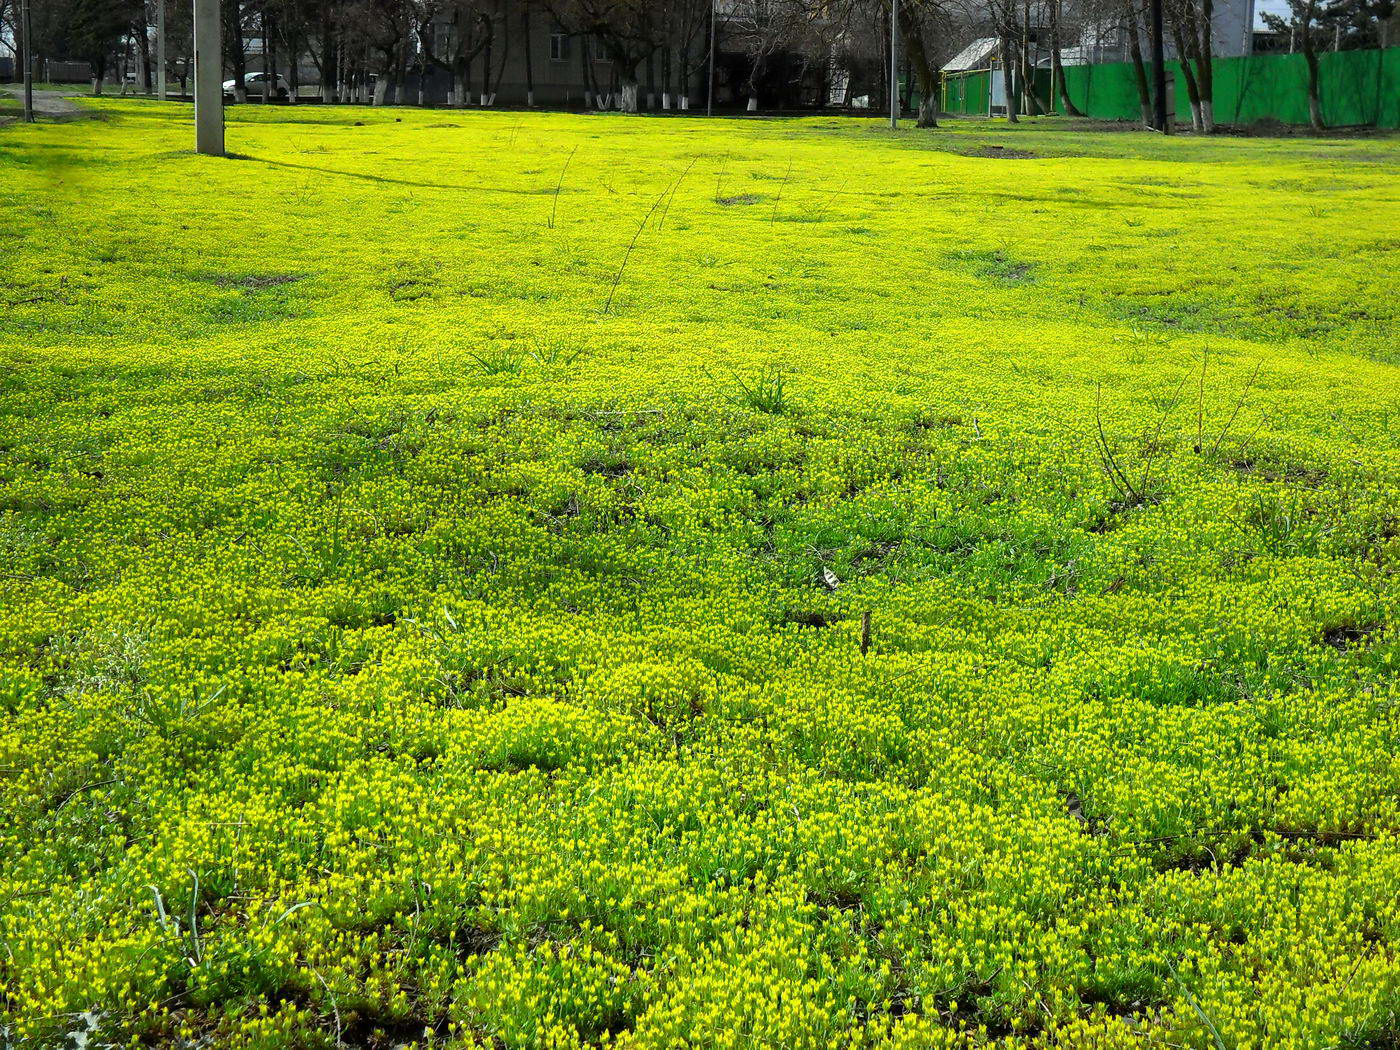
(431, 610)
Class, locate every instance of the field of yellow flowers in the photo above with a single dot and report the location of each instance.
(547, 581)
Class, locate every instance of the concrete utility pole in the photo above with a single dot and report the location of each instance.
(160, 50)
(894, 64)
(208, 79)
(25, 34)
(1159, 71)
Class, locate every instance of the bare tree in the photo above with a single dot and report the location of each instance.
(762, 28)
(924, 26)
(1189, 22)
(1057, 66)
(236, 46)
(626, 31)
(452, 35)
(1129, 11)
(1302, 24)
(684, 48)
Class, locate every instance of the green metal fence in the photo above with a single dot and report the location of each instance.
(967, 92)
(1355, 87)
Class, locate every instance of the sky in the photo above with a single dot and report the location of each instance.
(1273, 7)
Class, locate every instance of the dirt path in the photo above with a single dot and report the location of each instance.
(48, 104)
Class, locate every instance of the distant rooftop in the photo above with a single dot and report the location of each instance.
(974, 56)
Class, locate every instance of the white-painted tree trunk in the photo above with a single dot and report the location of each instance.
(685, 103)
(381, 90)
(627, 100)
(753, 104)
(665, 100)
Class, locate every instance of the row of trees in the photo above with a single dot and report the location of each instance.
(364, 49)
(662, 44)
(81, 30)
(1310, 26)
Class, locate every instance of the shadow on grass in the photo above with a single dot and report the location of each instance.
(390, 180)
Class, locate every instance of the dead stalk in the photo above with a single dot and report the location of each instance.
(671, 195)
(617, 278)
(778, 199)
(1238, 405)
(553, 211)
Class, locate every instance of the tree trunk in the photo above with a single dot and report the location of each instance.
(381, 86)
(627, 97)
(529, 57)
(1192, 92)
(122, 61)
(463, 88)
(1314, 95)
(325, 65)
(144, 47)
(1139, 69)
(1008, 67)
(928, 107)
(590, 86)
(504, 51)
(269, 85)
(683, 78)
(1205, 79)
(486, 72)
(1057, 66)
(922, 69)
(1027, 77)
(233, 35)
(756, 68)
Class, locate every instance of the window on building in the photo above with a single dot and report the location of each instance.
(558, 47)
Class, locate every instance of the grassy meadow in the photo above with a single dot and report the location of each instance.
(437, 549)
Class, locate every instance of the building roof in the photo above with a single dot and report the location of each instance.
(974, 56)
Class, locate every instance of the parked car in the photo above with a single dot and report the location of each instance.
(254, 83)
